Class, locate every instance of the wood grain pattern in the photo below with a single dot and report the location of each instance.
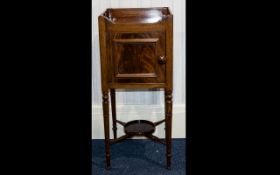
(135, 57)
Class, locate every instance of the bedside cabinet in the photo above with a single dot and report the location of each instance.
(136, 46)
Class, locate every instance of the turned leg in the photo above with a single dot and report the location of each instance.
(105, 104)
(113, 106)
(168, 126)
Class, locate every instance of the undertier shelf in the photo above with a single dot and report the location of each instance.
(139, 127)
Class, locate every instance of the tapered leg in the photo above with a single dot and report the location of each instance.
(105, 103)
(168, 126)
(113, 106)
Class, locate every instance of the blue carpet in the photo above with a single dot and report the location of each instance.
(139, 157)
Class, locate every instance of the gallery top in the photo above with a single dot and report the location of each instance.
(136, 15)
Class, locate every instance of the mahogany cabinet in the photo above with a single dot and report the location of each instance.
(136, 50)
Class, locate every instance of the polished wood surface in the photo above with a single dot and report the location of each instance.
(105, 104)
(136, 15)
(136, 50)
(113, 107)
(135, 57)
(168, 125)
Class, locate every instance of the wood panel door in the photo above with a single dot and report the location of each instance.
(138, 57)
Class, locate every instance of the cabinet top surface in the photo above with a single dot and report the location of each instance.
(136, 15)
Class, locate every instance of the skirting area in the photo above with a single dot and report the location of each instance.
(139, 157)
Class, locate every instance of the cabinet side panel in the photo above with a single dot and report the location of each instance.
(103, 54)
(169, 52)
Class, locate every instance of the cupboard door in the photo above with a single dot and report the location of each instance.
(138, 57)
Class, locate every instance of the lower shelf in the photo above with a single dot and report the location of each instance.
(139, 127)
